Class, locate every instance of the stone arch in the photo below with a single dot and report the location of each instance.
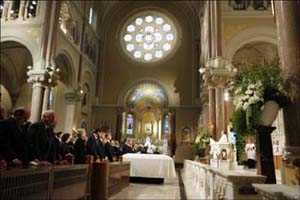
(23, 39)
(255, 53)
(6, 101)
(87, 77)
(14, 71)
(172, 99)
(254, 34)
(64, 62)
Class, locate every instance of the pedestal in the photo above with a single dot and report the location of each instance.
(264, 153)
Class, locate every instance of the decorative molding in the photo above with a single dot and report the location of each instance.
(217, 72)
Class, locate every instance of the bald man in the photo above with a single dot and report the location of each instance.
(42, 138)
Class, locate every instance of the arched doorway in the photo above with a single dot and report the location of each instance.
(146, 110)
(15, 59)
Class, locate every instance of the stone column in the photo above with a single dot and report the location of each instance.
(71, 100)
(220, 110)
(51, 82)
(124, 115)
(36, 101)
(37, 78)
(288, 33)
(212, 111)
(216, 74)
(46, 98)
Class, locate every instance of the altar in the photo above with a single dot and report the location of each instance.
(150, 165)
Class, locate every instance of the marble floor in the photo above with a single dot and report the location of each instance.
(169, 190)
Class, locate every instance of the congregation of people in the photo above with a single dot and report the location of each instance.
(23, 143)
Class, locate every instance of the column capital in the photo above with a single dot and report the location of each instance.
(53, 74)
(73, 95)
(37, 76)
(217, 72)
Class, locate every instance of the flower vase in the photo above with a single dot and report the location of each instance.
(269, 113)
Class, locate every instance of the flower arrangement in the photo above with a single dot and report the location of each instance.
(252, 88)
(202, 139)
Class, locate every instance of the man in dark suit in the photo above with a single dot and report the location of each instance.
(12, 138)
(43, 138)
(80, 147)
(95, 147)
(126, 146)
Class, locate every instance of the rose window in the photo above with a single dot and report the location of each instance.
(149, 36)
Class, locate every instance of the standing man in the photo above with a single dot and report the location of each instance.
(12, 138)
(95, 147)
(42, 137)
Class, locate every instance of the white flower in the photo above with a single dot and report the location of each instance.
(245, 106)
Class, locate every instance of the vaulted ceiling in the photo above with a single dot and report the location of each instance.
(107, 10)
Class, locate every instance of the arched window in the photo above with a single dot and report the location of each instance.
(166, 125)
(31, 9)
(91, 16)
(148, 36)
(129, 124)
(15, 9)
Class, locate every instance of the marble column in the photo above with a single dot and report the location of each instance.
(124, 115)
(46, 98)
(288, 33)
(37, 78)
(71, 100)
(36, 101)
(212, 111)
(220, 111)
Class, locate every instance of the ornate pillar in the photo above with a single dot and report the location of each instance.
(37, 78)
(124, 115)
(288, 33)
(51, 82)
(212, 111)
(46, 98)
(216, 74)
(220, 108)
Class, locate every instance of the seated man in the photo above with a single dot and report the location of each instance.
(12, 139)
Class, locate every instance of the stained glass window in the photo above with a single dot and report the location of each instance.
(149, 36)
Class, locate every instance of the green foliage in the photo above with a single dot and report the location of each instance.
(239, 123)
(240, 145)
(202, 139)
(252, 88)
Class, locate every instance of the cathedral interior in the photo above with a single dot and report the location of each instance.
(160, 78)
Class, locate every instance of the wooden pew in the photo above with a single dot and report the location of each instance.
(109, 178)
(56, 182)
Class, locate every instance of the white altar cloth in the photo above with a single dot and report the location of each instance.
(150, 165)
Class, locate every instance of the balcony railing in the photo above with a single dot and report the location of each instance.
(18, 9)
